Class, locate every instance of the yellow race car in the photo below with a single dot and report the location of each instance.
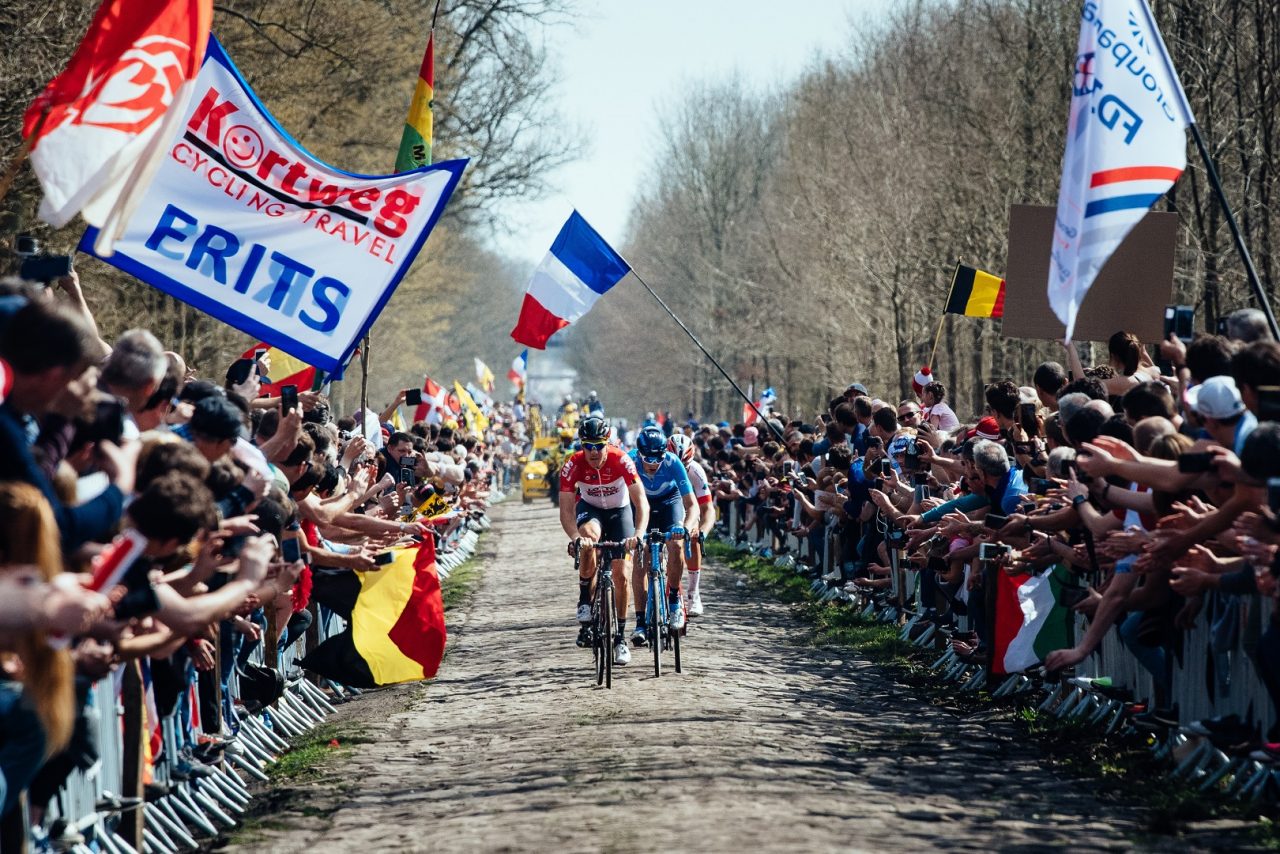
(536, 475)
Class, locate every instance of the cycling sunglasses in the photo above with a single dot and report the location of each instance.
(653, 461)
(594, 446)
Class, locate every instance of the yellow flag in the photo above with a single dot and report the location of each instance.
(476, 419)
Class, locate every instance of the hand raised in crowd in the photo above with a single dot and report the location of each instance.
(254, 558)
(120, 462)
(67, 607)
(248, 628)
(1259, 525)
(201, 652)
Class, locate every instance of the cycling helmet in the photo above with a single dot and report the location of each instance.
(651, 442)
(593, 428)
(682, 446)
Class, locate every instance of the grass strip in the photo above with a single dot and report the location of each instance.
(1123, 765)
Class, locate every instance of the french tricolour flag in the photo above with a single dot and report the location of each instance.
(577, 271)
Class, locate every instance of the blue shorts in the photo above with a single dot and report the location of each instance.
(665, 515)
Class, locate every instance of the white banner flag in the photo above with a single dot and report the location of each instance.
(1126, 144)
(244, 224)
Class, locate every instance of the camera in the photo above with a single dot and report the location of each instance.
(1041, 485)
(38, 266)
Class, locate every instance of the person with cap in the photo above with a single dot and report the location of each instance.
(216, 423)
(1222, 412)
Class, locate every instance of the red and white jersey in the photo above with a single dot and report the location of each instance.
(604, 487)
(698, 477)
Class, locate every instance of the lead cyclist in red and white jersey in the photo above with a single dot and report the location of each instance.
(682, 446)
(611, 506)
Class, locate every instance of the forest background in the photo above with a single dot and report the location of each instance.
(806, 233)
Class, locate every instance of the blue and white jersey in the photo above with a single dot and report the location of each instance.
(668, 483)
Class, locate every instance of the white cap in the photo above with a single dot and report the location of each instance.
(1216, 397)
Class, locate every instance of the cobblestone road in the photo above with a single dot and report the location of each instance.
(763, 743)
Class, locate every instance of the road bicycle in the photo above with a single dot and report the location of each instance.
(658, 635)
(604, 611)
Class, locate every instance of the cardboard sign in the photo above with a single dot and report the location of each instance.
(1130, 292)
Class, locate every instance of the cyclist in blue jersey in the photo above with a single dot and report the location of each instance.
(672, 510)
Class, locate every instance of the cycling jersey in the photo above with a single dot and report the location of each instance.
(698, 479)
(668, 483)
(605, 487)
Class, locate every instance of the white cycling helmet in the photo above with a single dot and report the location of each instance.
(682, 446)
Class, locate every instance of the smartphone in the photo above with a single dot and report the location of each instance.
(1027, 418)
(288, 398)
(994, 521)
(991, 551)
(1273, 494)
(921, 492)
(1269, 403)
(45, 268)
(108, 420)
(407, 467)
(1195, 462)
(1028, 507)
(259, 353)
(384, 558)
(413, 397)
(1180, 320)
(291, 550)
(885, 468)
(1041, 485)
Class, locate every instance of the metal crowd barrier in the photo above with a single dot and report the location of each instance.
(202, 808)
(1207, 682)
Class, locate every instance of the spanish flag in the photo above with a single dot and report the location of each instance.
(415, 142)
(285, 370)
(975, 293)
(395, 621)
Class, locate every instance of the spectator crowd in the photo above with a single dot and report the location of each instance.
(173, 530)
(1152, 480)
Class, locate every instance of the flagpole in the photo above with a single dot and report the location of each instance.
(1250, 271)
(364, 388)
(760, 415)
(937, 335)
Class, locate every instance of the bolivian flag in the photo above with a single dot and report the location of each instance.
(395, 617)
(415, 143)
(975, 293)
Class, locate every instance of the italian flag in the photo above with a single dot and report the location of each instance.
(1030, 622)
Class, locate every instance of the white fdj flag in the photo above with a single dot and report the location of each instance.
(1126, 144)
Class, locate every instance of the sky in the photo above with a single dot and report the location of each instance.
(622, 62)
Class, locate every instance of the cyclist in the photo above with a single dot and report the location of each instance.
(673, 510)
(682, 446)
(609, 496)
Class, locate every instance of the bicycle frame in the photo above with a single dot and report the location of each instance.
(604, 616)
(660, 637)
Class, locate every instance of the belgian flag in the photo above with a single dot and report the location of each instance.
(395, 621)
(975, 293)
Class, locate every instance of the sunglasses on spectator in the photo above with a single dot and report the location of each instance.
(593, 446)
(903, 416)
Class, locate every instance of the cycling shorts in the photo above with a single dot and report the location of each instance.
(665, 515)
(616, 523)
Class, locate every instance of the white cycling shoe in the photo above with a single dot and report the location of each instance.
(621, 655)
(675, 621)
(695, 604)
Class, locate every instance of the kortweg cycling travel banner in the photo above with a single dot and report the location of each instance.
(244, 224)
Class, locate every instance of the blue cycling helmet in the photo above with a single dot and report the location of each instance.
(651, 442)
